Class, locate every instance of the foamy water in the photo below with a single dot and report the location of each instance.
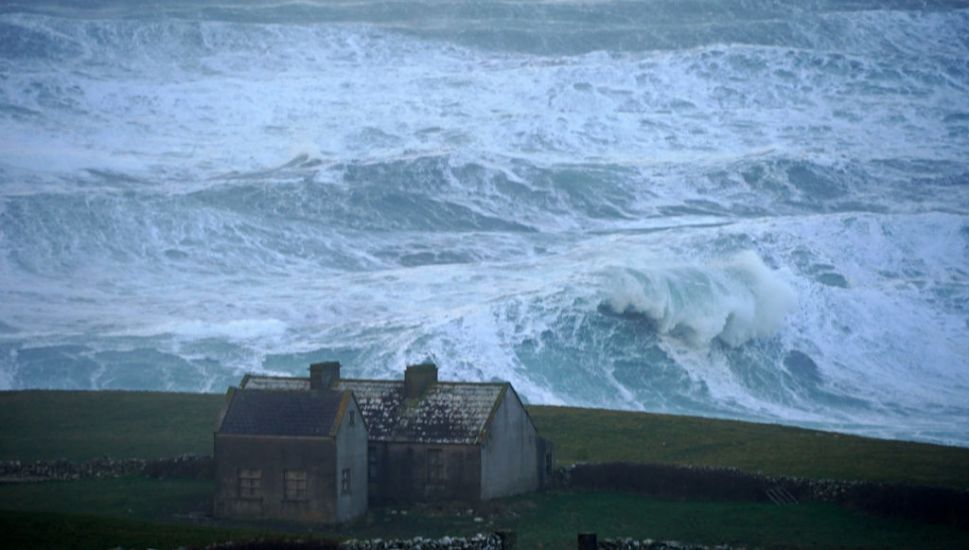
(740, 209)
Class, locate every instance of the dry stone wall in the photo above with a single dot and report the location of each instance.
(186, 466)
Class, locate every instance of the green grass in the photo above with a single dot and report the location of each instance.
(554, 518)
(31, 530)
(137, 512)
(593, 435)
(131, 497)
(80, 425)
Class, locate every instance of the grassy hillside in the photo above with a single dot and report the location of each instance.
(79, 425)
(82, 425)
(594, 435)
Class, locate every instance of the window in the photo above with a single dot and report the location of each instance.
(352, 417)
(250, 483)
(435, 466)
(345, 482)
(294, 485)
(372, 463)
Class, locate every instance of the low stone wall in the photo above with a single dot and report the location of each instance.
(476, 542)
(649, 544)
(186, 466)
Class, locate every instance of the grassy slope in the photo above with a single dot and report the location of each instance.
(81, 425)
(595, 435)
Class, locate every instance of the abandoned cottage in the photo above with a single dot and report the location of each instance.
(294, 455)
(428, 440)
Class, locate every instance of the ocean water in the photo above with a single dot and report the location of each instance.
(753, 209)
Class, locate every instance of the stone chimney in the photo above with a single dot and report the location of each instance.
(324, 375)
(418, 378)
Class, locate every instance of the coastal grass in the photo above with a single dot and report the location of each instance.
(595, 435)
(140, 512)
(553, 519)
(31, 530)
(80, 425)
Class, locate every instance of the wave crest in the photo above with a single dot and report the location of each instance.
(733, 300)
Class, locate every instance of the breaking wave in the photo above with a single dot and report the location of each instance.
(734, 301)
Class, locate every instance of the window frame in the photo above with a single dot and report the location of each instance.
(373, 462)
(345, 482)
(295, 485)
(249, 483)
(435, 466)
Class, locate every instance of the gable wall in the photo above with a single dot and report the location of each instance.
(351, 453)
(509, 458)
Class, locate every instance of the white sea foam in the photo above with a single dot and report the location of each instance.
(733, 300)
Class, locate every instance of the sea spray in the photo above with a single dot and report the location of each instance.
(733, 300)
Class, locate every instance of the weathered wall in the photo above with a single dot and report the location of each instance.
(545, 461)
(509, 458)
(403, 473)
(352, 453)
(274, 455)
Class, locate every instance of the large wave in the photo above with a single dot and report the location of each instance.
(733, 300)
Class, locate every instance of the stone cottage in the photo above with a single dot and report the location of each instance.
(433, 440)
(294, 455)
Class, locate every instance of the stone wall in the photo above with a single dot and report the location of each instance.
(475, 542)
(649, 544)
(186, 466)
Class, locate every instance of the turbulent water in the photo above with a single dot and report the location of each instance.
(753, 209)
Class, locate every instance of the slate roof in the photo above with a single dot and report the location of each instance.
(282, 413)
(448, 412)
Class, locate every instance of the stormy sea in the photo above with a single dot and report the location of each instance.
(751, 209)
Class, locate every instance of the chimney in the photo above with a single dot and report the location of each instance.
(418, 378)
(324, 375)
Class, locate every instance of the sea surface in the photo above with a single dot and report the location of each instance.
(752, 209)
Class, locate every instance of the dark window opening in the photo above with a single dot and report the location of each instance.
(294, 485)
(372, 463)
(250, 483)
(345, 482)
(435, 466)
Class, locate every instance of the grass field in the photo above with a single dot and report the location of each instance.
(594, 435)
(133, 512)
(82, 425)
(79, 425)
(139, 512)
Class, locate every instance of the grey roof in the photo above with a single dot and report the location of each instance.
(282, 413)
(448, 412)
